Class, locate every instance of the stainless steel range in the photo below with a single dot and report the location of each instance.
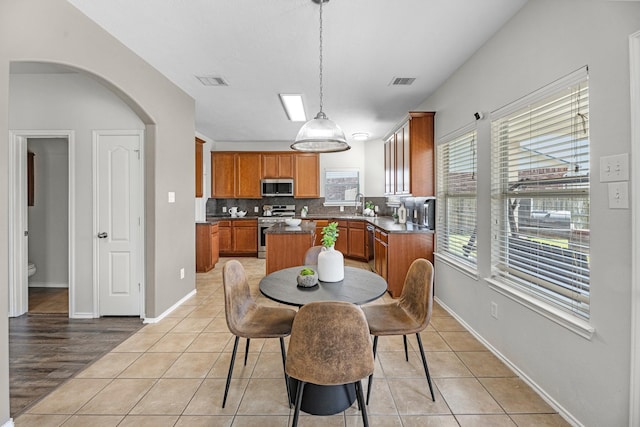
(271, 214)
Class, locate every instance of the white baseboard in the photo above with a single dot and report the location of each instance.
(9, 423)
(547, 398)
(169, 310)
(82, 316)
(48, 285)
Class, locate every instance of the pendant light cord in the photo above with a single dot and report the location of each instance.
(321, 1)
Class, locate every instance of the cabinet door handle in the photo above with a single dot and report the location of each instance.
(102, 235)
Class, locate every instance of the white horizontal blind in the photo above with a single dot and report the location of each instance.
(540, 194)
(457, 200)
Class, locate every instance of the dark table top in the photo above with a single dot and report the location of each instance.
(359, 287)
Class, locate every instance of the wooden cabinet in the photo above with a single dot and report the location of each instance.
(408, 159)
(238, 237)
(380, 252)
(199, 167)
(277, 165)
(207, 246)
(248, 174)
(286, 250)
(342, 243)
(402, 249)
(307, 175)
(235, 175)
(223, 175)
(357, 240)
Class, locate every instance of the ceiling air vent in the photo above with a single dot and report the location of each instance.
(402, 81)
(212, 81)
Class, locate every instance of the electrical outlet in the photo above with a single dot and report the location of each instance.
(224, 209)
(614, 168)
(618, 195)
(182, 273)
(494, 310)
(341, 208)
(255, 209)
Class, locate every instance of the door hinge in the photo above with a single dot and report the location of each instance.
(139, 287)
(138, 153)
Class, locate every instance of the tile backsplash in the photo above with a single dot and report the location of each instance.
(316, 206)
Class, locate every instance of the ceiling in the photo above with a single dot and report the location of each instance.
(265, 47)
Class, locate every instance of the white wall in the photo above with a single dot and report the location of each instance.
(72, 101)
(54, 31)
(49, 216)
(546, 40)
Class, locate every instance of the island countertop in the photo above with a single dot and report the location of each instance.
(306, 227)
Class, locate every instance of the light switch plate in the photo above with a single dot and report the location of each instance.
(619, 195)
(171, 197)
(614, 168)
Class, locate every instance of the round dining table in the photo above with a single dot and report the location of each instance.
(359, 287)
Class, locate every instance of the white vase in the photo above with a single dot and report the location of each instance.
(330, 265)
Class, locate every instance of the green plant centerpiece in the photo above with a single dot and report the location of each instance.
(307, 278)
(330, 234)
(330, 261)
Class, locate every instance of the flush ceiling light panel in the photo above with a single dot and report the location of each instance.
(294, 107)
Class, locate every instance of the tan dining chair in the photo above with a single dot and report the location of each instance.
(330, 345)
(247, 319)
(311, 255)
(410, 314)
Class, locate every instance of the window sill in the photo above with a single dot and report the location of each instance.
(463, 268)
(562, 318)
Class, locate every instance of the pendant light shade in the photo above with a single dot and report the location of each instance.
(320, 135)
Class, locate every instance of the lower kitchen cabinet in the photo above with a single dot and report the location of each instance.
(342, 243)
(207, 246)
(238, 237)
(394, 253)
(357, 240)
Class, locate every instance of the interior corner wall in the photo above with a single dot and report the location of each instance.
(588, 380)
(54, 31)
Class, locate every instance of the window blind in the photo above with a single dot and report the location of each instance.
(456, 195)
(540, 194)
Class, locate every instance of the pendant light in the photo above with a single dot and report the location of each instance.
(320, 135)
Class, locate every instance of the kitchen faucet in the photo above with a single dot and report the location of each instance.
(359, 199)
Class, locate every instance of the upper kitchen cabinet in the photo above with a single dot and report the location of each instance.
(307, 175)
(199, 165)
(235, 175)
(248, 174)
(277, 165)
(409, 160)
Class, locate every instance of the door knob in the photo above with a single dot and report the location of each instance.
(102, 235)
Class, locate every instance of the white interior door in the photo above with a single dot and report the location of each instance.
(118, 222)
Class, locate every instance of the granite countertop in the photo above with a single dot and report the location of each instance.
(386, 223)
(306, 227)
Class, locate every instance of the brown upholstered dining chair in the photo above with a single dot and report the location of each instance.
(311, 256)
(330, 345)
(247, 319)
(410, 314)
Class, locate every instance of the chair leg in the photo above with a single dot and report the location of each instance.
(370, 383)
(424, 363)
(246, 352)
(406, 352)
(363, 407)
(233, 358)
(284, 369)
(296, 412)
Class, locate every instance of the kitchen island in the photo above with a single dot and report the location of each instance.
(286, 245)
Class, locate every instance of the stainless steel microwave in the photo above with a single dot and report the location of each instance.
(277, 187)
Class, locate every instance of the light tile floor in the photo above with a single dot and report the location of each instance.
(173, 373)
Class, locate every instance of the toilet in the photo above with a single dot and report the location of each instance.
(32, 269)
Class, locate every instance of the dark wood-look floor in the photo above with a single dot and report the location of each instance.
(47, 349)
(49, 300)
